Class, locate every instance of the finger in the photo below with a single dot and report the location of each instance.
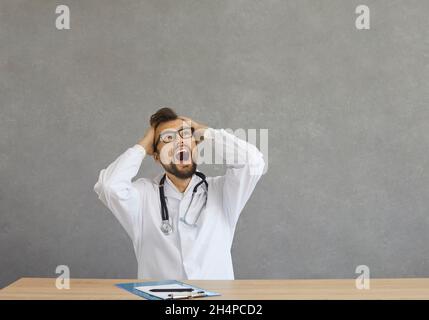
(187, 120)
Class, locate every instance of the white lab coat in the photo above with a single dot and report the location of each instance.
(202, 252)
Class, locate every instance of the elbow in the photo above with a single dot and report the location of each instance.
(257, 164)
(112, 188)
(98, 187)
(262, 162)
(103, 186)
(116, 191)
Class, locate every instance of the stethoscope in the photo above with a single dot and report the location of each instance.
(166, 227)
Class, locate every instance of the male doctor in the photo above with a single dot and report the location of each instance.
(191, 238)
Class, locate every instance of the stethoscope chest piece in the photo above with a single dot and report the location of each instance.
(166, 227)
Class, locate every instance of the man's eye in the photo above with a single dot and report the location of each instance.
(168, 137)
(187, 133)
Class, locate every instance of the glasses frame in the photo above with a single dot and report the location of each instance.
(175, 132)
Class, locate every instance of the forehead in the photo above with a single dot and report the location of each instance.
(171, 125)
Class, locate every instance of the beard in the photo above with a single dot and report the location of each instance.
(184, 173)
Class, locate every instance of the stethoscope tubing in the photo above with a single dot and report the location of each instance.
(166, 227)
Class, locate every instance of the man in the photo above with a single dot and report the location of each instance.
(194, 241)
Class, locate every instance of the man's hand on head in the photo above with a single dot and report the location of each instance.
(148, 140)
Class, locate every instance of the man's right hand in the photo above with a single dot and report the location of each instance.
(148, 140)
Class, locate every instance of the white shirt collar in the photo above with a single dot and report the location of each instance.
(171, 190)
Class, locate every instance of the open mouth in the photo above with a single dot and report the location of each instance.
(182, 155)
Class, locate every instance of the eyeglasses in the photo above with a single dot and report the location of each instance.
(168, 136)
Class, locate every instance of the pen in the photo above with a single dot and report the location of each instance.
(197, 295)
(173, 290)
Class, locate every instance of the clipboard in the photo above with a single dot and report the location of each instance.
(132, 288)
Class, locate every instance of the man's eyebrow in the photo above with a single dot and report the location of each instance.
(168, 130)
(176, 129)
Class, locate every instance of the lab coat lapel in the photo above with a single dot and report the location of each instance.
(191, 238)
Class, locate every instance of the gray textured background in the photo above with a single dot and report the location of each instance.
(347, 113)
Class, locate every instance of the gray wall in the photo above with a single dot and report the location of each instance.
(347, 113)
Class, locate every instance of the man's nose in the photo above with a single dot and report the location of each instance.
(180, 142)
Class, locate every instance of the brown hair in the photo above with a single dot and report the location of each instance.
(162, 115)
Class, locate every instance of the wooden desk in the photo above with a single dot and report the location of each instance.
(100, 289)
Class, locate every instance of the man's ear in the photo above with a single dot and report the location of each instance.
(156, 156)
